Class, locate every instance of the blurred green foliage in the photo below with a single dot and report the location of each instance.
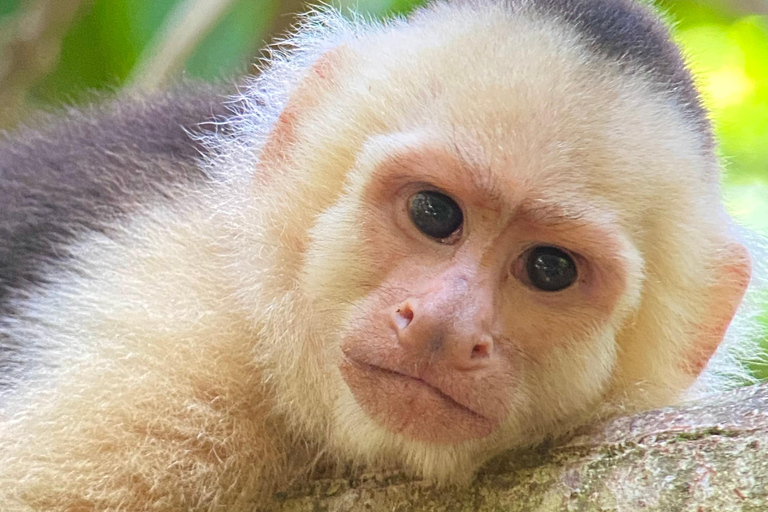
(729, 55)
(102, 48)
(728, 52)
(8, 6)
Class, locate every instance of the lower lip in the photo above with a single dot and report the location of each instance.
(411, 407)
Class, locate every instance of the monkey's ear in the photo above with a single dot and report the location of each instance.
(732, 272)
(321, 78)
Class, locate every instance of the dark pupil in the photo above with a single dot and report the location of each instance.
(435, 214)
(550, 269)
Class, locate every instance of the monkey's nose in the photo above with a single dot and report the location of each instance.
(431, 336)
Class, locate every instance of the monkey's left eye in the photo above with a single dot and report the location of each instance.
(550, 269)
(435, 214)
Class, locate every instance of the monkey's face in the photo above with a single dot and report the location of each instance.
(493, 252)
(481, 309)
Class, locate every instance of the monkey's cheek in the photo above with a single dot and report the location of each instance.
(412, 408)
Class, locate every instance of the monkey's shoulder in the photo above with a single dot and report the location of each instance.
(81, 170)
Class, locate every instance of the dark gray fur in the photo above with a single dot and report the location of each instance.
(82, 171)
(631, 35)
(89, 167)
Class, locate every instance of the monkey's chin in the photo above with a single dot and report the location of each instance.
(358, 438)
(413, 408)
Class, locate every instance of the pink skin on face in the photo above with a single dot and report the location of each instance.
(428, 369)
(438, 350)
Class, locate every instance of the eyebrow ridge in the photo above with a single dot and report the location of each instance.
(543, 212)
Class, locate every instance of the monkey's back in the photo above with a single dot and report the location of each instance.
(91, 167)
(84, 171)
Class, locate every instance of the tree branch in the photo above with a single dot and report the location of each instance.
(710, 456)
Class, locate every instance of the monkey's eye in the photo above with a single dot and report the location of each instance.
(550, 269)
(435, 214)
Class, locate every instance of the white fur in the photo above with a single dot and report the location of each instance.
(184, 363)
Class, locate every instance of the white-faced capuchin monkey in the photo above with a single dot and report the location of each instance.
(412, 244)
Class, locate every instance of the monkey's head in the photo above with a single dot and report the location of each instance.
(503, 220)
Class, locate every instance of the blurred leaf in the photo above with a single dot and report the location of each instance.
(685, 13)
(234, 43)
(98, 53)
(730, 61)
(380, 8)
(8, 7)
(749, 203)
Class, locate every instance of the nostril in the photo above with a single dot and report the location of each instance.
(403, 316)
(481, 350)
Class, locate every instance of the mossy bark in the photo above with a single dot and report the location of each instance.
(709, 456)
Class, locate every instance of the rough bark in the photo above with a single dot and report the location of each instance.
(709, 456)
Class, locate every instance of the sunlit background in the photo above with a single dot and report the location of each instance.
(55, 52)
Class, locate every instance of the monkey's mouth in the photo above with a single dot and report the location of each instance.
(411, 406)
(399, 375)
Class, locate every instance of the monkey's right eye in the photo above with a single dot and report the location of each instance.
(435, 214)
